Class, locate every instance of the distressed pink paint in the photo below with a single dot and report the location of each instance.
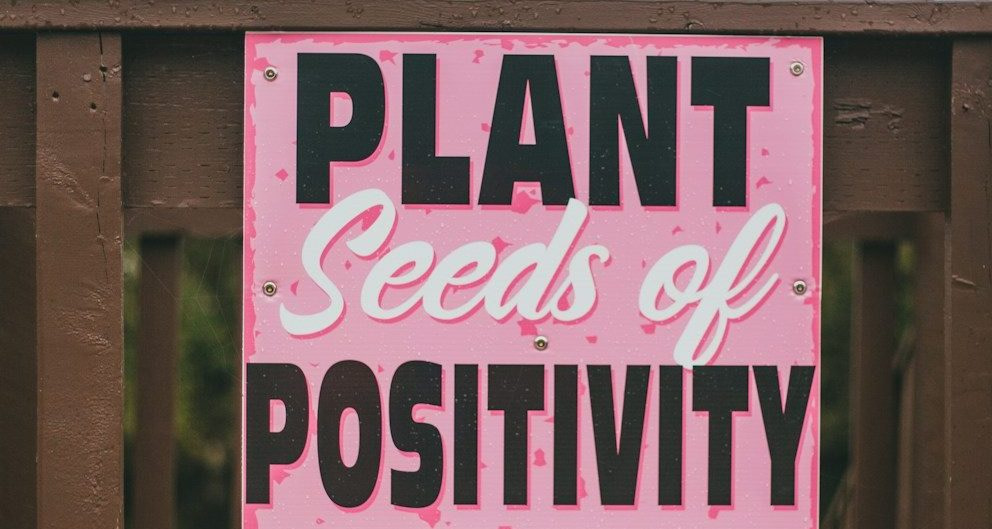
(784, 166)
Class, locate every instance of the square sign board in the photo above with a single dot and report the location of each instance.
(530, 281)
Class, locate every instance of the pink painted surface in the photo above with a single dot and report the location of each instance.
(784, 168)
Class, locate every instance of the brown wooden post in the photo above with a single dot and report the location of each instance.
(904, 457)
(925, 439)
(79, 294)
(873, 408)
(968, 301)
(154, 492)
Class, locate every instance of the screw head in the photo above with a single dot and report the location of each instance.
(269, 288)
(797, 68)
(799, 287)
(540, 343)
(270, 73)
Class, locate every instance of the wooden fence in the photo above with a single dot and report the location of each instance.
(125, 119)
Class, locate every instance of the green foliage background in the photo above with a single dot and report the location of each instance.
(207, 396)
(207, 399)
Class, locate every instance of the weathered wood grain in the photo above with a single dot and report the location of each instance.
(768, 16)
(884, 135)
(205, 223)
(79, 281)
(183, 121)
(968, 284)
(926, 491)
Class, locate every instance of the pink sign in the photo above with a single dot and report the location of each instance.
(530, 281)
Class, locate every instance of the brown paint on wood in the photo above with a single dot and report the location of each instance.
(183, 124)
(514, 15)
(968, 301)
(79, 295)
(154, 492)
(19, 375)
(17, 117)
(870, 225)
(183, 120)
(206, 223)
(873, 391)
(927, 436)
(884, 132)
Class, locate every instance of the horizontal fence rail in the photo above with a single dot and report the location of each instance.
(895, 18)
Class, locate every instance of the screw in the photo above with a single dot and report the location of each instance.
(797, 68)
(270, 73)
(269, 288)
(540, 343)
(799, 287)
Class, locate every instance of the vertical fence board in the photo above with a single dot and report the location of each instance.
(873, 408)
(927, 437)
(154, 492)
(968, 316)
(79, 295)
(18, 377)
